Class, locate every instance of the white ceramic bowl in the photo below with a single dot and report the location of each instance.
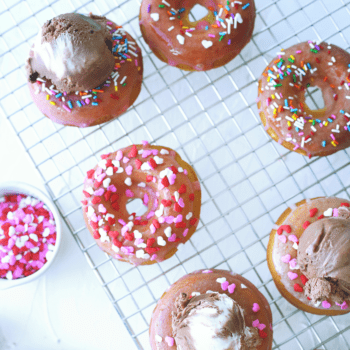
(23, 188)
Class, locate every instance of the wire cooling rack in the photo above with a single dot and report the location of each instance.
(211, 119)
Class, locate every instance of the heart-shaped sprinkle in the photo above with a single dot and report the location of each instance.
(326, 304)
(293, 238)
(255, 323)
(125, 160)
(169, 340)
(313, 212)
(261, 326)
(137, 234)
(298, 288)
(224, 286)
(109, 171)
(172, 238)
(188, 216)
(106, 182)
(185, 232)
(207, 43)
(102, 209)
(155, 16)
(296, 246)
(194, 294)
(306, 224)
(161, 241)
(128, 170)
(292, 275)
(119, 155)
(335, 212)
(164, 151)
(128, 181)
(158, 338)
(167, 231)
(129, 193)
(180, 39)
(256, 307)
(328, 212)
(221, 280)
(293, 264)
(181, 202)
(286, 258)
(282, 228)
(231, 288)
(282, 238)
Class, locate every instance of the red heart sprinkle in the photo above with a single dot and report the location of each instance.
(191, 196)
(107, 195)
(304, 279)
(105, 156)
(90, 173)
(96, 200)
(114, 198)
(133, 152)
(149, 178)
(345, 205)
(96, 235)
(182, 189)
(113, 234)
(150, 242)
(87, 194)
(174, 170)
(180, 224)
(166, 203)
(115, 206)
(165, 181)
(282, 228)
(109, 163)
(151, 250)
(177, 208)
(138, 163)
(111, 221)
(155, 223)
(298, 288)
(153, 163)
(306, 224)
(193, 221)
(129, 236)
(84, 202)
(313, 212)
(97, 184)
(262, 334)
(320, 217)
(117, 243)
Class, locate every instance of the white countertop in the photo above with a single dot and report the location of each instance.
(66, 308)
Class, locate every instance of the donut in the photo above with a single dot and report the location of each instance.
(281, 101)
(308, 255)
(178, 316)
(83, 71)
(170, 190)
(201, 45)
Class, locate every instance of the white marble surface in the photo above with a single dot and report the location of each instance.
(66, 308)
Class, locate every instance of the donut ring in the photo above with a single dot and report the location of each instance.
(240, 289)
(208, 43)
(282, 109)
(169, 188)
(113, 97)
(291, 222)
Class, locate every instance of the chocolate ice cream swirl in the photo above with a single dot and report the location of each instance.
(211, 321)
(73, 51)
(324, 258)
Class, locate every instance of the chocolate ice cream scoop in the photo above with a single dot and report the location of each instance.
(73, 51)
(211, 321)
(324, 258)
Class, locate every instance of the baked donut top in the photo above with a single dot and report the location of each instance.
(282, 90)
(169, 26)
(170, 192)
(127, 63)
(285, 252)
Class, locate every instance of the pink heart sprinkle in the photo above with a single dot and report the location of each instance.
(286, 258)
(153, 257)
(207, 271)
(125, 160)
(181, 202)
(261, 326)
(292, 275)
(128, 170)
(172, 178)
(169, 219)
(146, 153)
(231, 288)
(344, 306)
(138, 241)
(161, 220)
(119, 155)
(185, 232)
(172, 238)
(255, 323)
(98, 171)
(326, 304)
(145, 199)
(224, 285)
(111, 188)
(335, 212)
(169, 340)
(293, 238)
(178, 218)
(129, 193)
(144, 143)
(293, 263)
(152, 228)
(99, 192)
(256, 307)
(101, 177)
(102, 209)
(282, 238)
(154, 152)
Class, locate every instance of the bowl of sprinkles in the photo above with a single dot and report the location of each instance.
(30, 233)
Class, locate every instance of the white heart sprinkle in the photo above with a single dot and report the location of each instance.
(90, 211)
(140, 253)
(207, 43)
(116, 163)
(180, 39)
(328, 212)
(106, 182)
(128, 181)
(34, 237)
(155, 16)
(142, 245)
(89, 190)
(145, 166)
(161, 241)
(318, 304)
(109, 171)
(194, 294)
(221, 280)
(164, 151)
(137, 234)
(141, 184)
(177, 196)
(158, 160)
(120, 170)
(188, 216)
(102, 164)
(35, 250)
(115, 248)
(295, 246)
(243, 286)
(46, 232)
(160, 211)
(10, 215)
(180, 170)
(167, 231)
(12, 231)
(158, 338)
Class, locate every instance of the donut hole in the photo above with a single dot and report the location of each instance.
(314, 98)
(135, 205)
(197, 13)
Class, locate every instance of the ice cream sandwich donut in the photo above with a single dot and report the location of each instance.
(83, 70)
(309, 255)
(201, 45)
(282, 108)
(169, 189)
(211, 310)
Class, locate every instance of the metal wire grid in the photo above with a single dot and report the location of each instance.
(211, 119)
